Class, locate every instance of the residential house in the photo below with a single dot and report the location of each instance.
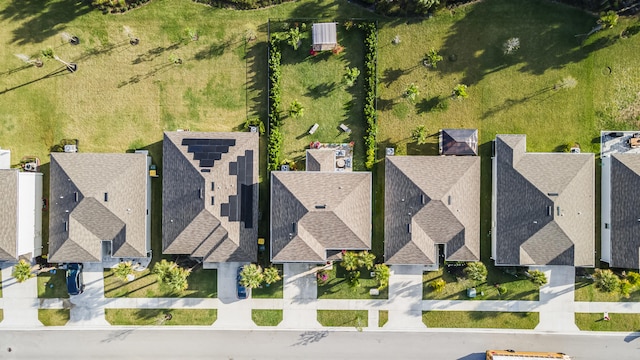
(431, 201)
(20, 212)
(210, 196)
(542, 206)
(99, 207)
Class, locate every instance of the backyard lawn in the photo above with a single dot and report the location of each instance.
(54, 317)
(161, 316)
(266, 317)
(337, 287)
(51, 286)
(343, 318)
(518, 288)
(617, 322)
(480, 319)
(202, 284)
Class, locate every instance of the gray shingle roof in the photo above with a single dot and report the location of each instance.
(8, 214)
(544, 206)
(312, 212)
(210, 195)
(320, 160)
(90, 220)
(431, 200)
(459, 142)
(625, 196)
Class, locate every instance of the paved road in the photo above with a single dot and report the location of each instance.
(166, 343)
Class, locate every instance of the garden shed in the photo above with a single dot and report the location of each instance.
(324, 36)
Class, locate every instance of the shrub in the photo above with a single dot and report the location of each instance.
(172, 275)
(432, 58)
(353, 278)
(382, 274)
(501, 289)
(370, 85)
(22, 271)
(608, 19)
(476, 271)
(419, 135)
(511, 46)
(271, 275)
(633, 278)
(438, 285)
(322, 276)
(625, 288)
(296, 109)
(606, 280)
(251, 276)
(460, 91)
(537, 277)
(351, 76)
(122, 270)
(275, 136)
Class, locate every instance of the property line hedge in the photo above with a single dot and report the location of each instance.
(370, 86)
(241, 4)
(275, 92)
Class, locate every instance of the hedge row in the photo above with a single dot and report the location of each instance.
(370, 87)
(241, 4)
(275, 92)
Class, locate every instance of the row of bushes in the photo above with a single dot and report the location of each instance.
(241, 4)
(370, 87)
(275, 93)
(116, 6)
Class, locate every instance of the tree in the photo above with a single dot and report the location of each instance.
(293, 37)
(511, 45)
(608, 19)
(350, 261)
(22, 271)
(172, 275)
(251, 276)
(625, 287)
(476, 271)
(122, 270)
(538, 277)
(351, 76)
(411, 92)
(419, 135)
(423, 6)
(366, 259)
(432, 58)
(437, 285)
(271, 275)
(353, 278)
(460, 91)
(296, 109)
(606, 280)
(382, 274)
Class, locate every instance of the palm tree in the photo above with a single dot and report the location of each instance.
(353, 278)
(271, 275)
(476, 271)
(606, 280)
(350, 261)
(251, 276)
(123, 270)
(419, 134)
(293, 37)
(538, 277)
(411, 92)
(172, 275)
(382, 274)
(22, 271)
(460, 91)
(366, 259)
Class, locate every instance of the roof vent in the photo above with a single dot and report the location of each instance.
(294, 227)
(76, 196)
(552, 194)
(558, 208)
(323, 206)
(106, 197)
(200, 193)
(409, 228)
(449, 199)
(66, 226)
(423, 199)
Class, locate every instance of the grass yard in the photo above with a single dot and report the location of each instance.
(343, 318)
(156, 317)
(1, 315)
(618, 322)
(383, 317)
(586, 290)
(54, 317)
(456, 289)
(202, 284)
(507, 94)
(316, 82)
(337, 287)
(51, 286)
(266, 317)
(480, 319)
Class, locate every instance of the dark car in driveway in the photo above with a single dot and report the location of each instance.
(240, 289)
(75, 285)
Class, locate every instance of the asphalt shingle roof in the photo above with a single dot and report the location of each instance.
(8, 214)
(320, 160)
(210, 195)
(313, 212)
(431, 200)
(544, 206)
(80, 218)
(625, 212)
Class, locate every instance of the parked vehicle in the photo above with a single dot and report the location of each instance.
(240, 289)
(75, 284)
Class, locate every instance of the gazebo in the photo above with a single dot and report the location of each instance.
(324, 36)
(458, 142)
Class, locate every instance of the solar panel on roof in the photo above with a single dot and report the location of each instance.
(233, 208)
(246, 210)
(224, 209)
(233, 168)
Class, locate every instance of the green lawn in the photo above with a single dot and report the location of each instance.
(383, 317)
(51, 286)
(480, 319)
(337, 287)
(266, 317)
(346, 318)
(158, 316)
(202, 284)
(1, 315)
(316, 82)
(618, 322)
(54, 317)
(519, 288)
(586, 290)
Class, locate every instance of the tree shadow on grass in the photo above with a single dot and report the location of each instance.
(58, 72)
(214, 50)
(391, 75)
(321, 90)
(257, 83)
(152, 54)
(426, 105)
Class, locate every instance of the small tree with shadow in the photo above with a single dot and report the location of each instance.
(366, 259)
(171, 275)
(382, 273)
(411, 93)
(123, 270)
(296, 109)
(350, 261)
(633, 278)
(537, 277)
(293, 37)
(432, 58)
(22, 271)
(351, 76)
(353, 279)
(608, 19)
(476, 271)
(271, 275)
(437, 285)
(251, 276)
(419, 135)
(460, 91)
(606, 280)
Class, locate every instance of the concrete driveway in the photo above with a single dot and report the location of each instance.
(88, 307)
(236, 314)
(20, 300)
